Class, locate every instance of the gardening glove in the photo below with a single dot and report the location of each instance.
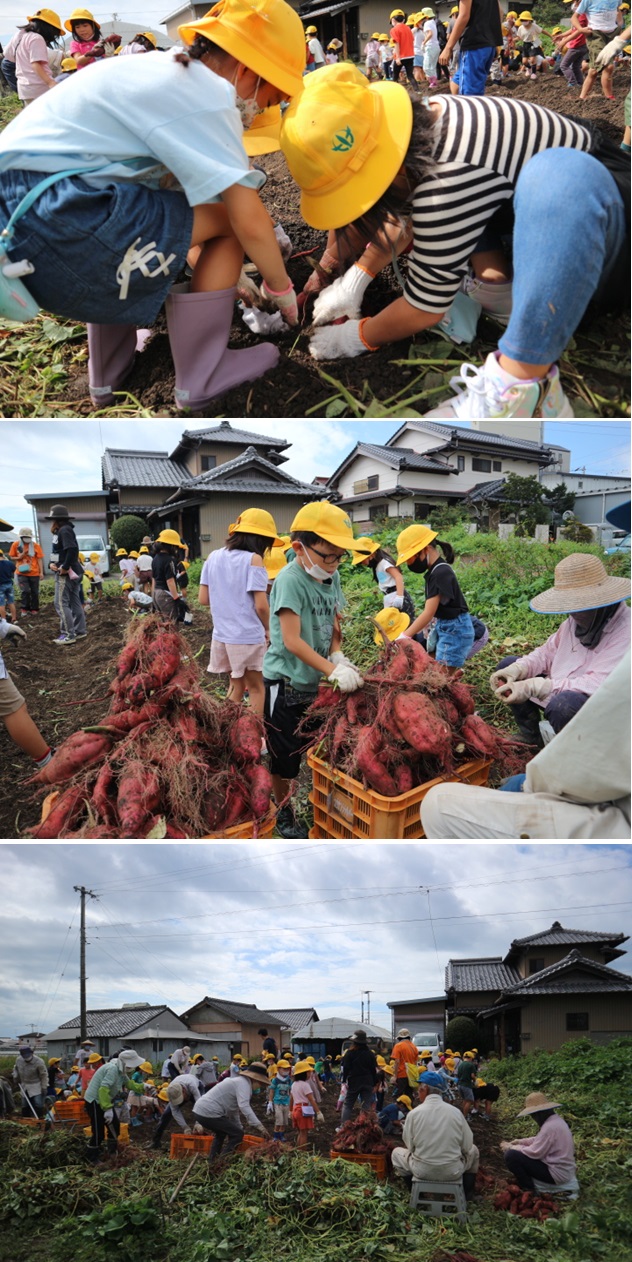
(283, 241)
(320, 1117)
(9, 631)
(108, 1116)
(284, 299)
(344, 297)
(340, 341)
(608, 54)
(187, 1130)
(506, 674)
(393, 601)
(339, 657)
(198, 1130)
(269, 1108)
(347, 677)
(315, 282)
(518, 690)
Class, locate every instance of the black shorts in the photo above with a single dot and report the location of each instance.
(531, 50)
(283, 710)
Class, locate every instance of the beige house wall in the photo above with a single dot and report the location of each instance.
(554, 954)
(223, 452)
(544, 1019)
(87, 505)
(151, 495)
(207, 1020)
(217, 513)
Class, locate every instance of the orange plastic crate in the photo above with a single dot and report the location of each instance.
(344, 809)
(247, 829)
(249, 1141)
(187, 1145)
(70, 1111)
(375, 1160)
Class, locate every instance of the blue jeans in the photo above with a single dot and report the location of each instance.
(513, 784)
(455, 637)
(557, 272)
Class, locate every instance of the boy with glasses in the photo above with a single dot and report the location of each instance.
(305, 642)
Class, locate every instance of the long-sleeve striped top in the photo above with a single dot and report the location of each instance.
(482, 146)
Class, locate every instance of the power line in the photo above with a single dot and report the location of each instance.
(117, 887)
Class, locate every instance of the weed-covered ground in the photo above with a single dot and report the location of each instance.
(43, 364)
(304, 1208)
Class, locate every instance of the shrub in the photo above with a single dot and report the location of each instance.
(462, 1034)
(127, 532)
(577, 532)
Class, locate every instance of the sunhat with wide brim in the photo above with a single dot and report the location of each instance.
(46, 15)
(79, 15)
(535, 1103)
(581, 582)
(264, 35)
(344, 141)
(413, 540)
(257, 1071)
(264, 134)
(364, 548)
(392, 622)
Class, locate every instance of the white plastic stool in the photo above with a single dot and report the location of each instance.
(571, 1188)
(439, 1199)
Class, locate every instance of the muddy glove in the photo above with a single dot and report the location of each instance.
(283, 241)
(507, 674)
(108, 1116)
(320, 1117)
(198, 1129)
(315, 282)
(518, 690)
(340, 341)
(347, 677)
(285, 300)
(608, 54)
(269, 1108)
(344, 297)
(187, 1130)
(9, 631)
(393, 601)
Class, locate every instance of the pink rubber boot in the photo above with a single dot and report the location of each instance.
(199, 329)
(111, 352)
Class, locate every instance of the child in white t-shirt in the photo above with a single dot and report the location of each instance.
(530, 34)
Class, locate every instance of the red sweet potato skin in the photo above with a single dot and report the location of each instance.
(82, 749)
(404, 778)
(462, 697)
(101, 800)
(138, 797)
(63, 813)
(236, 805)
(420, 723)
(245, 739)
(260, 790)
(370, 764)
(478, 735)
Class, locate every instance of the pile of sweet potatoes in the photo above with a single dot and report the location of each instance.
(410, 722)
(167, 760)
(360, 1134)
(515, 1200)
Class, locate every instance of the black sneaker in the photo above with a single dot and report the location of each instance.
(287, 824)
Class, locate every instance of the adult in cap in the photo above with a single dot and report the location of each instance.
(404, 1054)
(438, 1143)
(241, 57)
(547, 1157)
(560, 676)
(102, 1090)
(70, 571)
(183, 1089)
(359, 1072)
(386, 160)
(221, 1110)
(179, 1061)
(28, 558)
(31, 1076)
(305, 640)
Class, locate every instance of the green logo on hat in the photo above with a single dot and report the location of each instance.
(346, 141)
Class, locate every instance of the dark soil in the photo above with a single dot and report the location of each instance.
(296, 386)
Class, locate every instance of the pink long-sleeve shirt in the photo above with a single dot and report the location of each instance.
(565, 660)
(553, 1145)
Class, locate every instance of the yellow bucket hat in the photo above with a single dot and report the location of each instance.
(526, 16)
(412, 540)
(78, 15)
(152, 38)
(274, 563)
(264, 35)
(392, 622)
(256, 521)
(263, 136)
(47, 15)
(344, 141)
(322, 518)
(364, 547)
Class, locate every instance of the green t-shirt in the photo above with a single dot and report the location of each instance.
(466, 1073)
(316, 605)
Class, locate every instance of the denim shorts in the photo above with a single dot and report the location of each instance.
(471, 76)
(455, 637)
(102, 255)
(7, 594)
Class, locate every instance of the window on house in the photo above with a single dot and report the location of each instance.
(580, 486)
(422, 512)
(373, 483)
(208, 462)
(157, 1045)
(497, 466)
(378, 510)
(481, 466)
(460, 463)
(577, 1021)
(536, 966)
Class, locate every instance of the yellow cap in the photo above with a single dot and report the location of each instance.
(311, 30)
(78, 15)
(143, 549)
(302, 1067)
(413, 540)
(283, 1063)
(557, 30)
(397, 13)
(265, 35)
(54, 1060)
(146, 1067)
(88, 574)
(526, 16)
(344, 141)
(511, 13)
(263, 136)
(392, 622)
(168, 536)
(94, 556)
(468, 1056)
(47, 15)
(383, 39)
(364, 547)
(134, 555)
(405, 1099)
(81, 556)
(320, 517)
(122, 552)
(68, 63)
(256, 521)
(148, 35)
(127, 587)
(94, 1057)
(455, 9)
(162, 1095)
(275, 562)
(376, 35)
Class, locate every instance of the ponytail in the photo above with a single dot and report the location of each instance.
(446, 548)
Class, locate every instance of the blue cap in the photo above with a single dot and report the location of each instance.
(430, 1079)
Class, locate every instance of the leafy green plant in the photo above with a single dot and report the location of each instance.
(128, 531)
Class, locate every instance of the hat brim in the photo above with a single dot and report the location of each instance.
(264, 136)
(246, 1073)
(539, 1109)
(403, 621)
(343, 205)
(34, 17)
(409, 553)
(570, 600)
(236, 41)
(359, 557)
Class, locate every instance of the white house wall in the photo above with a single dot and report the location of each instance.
(365, 467)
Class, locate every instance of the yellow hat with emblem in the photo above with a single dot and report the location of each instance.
(49, 16)
(320, 517)
(364, 548)
(393, 622)
(264, 35)
(78, 15)
(256, 521)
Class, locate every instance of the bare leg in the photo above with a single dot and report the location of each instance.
(25, 734)
(216, 255)
(490, 265)
(587, 84)
(236, 690)
(606, 81)
(256, 691)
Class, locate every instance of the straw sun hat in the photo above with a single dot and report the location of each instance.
(536, 1103)
(581, 582)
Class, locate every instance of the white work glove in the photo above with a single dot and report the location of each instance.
(344, 297)
(108, 1116)
(523, 689)
(109, 49)
(337, 341)
(608, 54)
(9, 630)
(347, 677)
(198, 1129)
(506, 674)
(269, 1108)
(320, 1117)
(283, 241)
(284, 299)
(393, 601)
(187, 1130)
(339, 658)
(315, 283)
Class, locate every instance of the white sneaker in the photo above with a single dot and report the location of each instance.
(483, 392)
(495, 299)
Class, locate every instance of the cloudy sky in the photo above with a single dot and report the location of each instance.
(61, 456)
(282, 925)
(145, 13)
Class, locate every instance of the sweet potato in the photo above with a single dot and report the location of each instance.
(418, 659)
(185, 725)
(260, 782)
(385, 718)
(404, 778)
(65, 811)
(461, 695)
(355, 706)
(80, 750)
(449, 711)
(236, 804)
(101, 800)
(399, 666)
(326, 697)
(341, 733)
(367, 757)
(421, 724)
(126, 660)
(478, 735)
(244, 738)
(138, 797)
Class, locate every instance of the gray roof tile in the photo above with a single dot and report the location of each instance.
(141, 468)
(294, 1018)
(484, 974)
(557, 935)
(490, 490)
(248, 472)
(226, 433)
(482, 436)
(403, 458)
(115, 1022)
(248, 1013)
(551, 980)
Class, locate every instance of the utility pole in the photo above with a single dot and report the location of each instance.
(368, 994)
(80, 889)
(361, 1008)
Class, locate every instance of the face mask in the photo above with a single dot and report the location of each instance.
(419, 566)
(282, 1073)
(315, 571)
(248, 109)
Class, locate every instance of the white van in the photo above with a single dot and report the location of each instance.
(430, 1039)
(95, 543)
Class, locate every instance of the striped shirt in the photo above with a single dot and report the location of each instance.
(482, 146)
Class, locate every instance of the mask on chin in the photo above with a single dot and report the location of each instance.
(315, 571)
(248, 109)
(419, 566)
